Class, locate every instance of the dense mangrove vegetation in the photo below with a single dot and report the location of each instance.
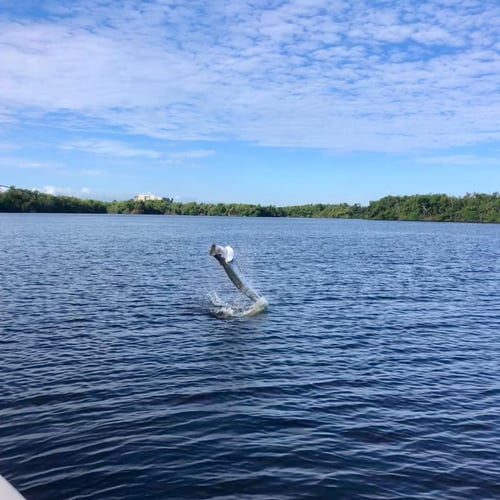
(25, 200)
(432, 207)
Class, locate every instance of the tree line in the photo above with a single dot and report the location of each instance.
(476, 207)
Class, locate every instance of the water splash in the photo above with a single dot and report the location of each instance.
(222, 309)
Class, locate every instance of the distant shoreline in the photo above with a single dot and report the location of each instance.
(476, 207)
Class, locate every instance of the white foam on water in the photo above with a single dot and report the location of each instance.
(222, 309)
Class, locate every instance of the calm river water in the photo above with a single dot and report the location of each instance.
(375, 373)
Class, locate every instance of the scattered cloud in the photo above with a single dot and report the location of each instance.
(460, 160)
(66, 191)
(90, 172)
(26, 163)
(119, 149)
(182, 156)
(110, 148)
(49, 190)
(355, 76)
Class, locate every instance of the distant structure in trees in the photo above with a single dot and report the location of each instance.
(147, 197)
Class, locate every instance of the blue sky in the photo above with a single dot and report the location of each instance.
(272, 102)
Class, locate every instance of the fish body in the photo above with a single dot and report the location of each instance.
(225, 257)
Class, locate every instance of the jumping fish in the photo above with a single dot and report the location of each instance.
(225, 257)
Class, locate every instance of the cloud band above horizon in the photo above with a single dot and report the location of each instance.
(370, 76)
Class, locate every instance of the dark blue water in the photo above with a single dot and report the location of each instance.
(375, 373)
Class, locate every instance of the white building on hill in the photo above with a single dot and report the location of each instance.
(147, 197)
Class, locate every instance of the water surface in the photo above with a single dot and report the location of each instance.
(374, 373)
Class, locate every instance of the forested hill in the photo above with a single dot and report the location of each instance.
(433, 207)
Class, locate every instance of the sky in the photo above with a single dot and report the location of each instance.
(250, 101)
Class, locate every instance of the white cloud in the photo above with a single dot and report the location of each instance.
(123, 150)
(182, 156)
(455, 160)
(90, 172)
(335, 75)
(49, 190)
(26, 163)
(110, 148)
(66, 191)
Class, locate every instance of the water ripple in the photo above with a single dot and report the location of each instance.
(373, 375)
